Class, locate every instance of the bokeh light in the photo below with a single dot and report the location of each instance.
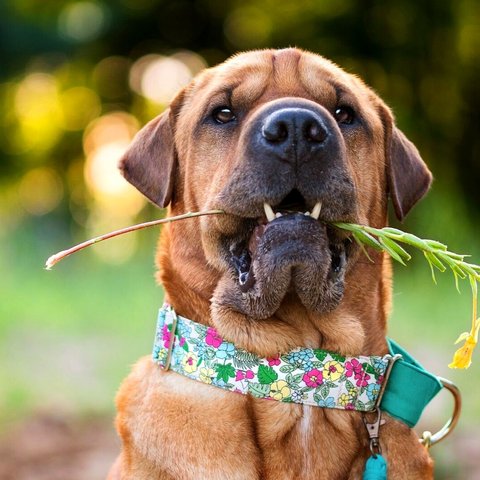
(110, 77)
(40, 190)
(114, 201)
(159, 78)
(39, 114)
(79, 106)
(82, 21)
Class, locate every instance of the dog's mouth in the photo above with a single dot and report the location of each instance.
(292, 232)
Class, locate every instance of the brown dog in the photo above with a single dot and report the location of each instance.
(290, 129)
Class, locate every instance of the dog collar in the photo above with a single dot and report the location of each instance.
(395, 382)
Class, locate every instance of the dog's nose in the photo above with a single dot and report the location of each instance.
(294, 126)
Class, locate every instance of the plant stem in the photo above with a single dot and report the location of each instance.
(54, 259)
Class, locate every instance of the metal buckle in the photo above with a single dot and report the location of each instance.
(428, 439)
(172, 340)
(391, 362)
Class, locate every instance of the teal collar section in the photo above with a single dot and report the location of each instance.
(409, 389)
(306, 376)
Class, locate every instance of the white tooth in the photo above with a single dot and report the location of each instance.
(269, 212)
(278, 215)
(316, 210)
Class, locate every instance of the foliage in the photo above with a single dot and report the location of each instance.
(437, 255)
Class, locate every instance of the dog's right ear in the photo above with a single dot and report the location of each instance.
(149, 164)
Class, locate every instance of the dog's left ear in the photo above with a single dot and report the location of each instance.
(408, 177)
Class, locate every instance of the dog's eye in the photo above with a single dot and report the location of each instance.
(223, 115)
(344, 115)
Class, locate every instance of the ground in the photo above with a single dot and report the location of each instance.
(52, 447)
(56, 447)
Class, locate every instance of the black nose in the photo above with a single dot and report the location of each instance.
(294, 126)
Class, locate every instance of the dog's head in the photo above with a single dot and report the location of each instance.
(285, 142)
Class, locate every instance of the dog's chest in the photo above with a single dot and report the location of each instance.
(305, 442)
(190, 431)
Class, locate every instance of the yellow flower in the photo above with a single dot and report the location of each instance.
(279, 390)
(206, 375)
(189, 362)
(332, 371)
(344, 399)
(463, 356)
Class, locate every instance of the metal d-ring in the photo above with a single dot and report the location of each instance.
(428, 439)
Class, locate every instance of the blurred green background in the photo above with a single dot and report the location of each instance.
(79, 78)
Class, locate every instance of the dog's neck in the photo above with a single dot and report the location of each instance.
(356, 326)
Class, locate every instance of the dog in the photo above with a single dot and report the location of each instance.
(287, 131)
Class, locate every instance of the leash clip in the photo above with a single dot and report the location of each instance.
(373, 430)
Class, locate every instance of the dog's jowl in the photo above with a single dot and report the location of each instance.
(285, 143)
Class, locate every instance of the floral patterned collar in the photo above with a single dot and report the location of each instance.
(303, 375)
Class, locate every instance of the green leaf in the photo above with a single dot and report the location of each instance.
(393, 232)
(369, 369)
(470, 270)
(324, 391)
(431, 268)
(456, 256)
(436, 245)
(359, 405)
(455, 274)
(200, 329)
(245, 360)
(435, 261)
(351, 227)
(398, 249)
(387, 246)
(287, 368)
(362, 247)
(454, 266)
(368, 239)
(224, 372)
(337, 357)
(297, 378)
(266, 375)
(350, 385)
(320, 354)
(259, 390)
(473, 285)
(413, 241)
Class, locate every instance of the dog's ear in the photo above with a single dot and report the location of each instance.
(408, 177)
(149, 162)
